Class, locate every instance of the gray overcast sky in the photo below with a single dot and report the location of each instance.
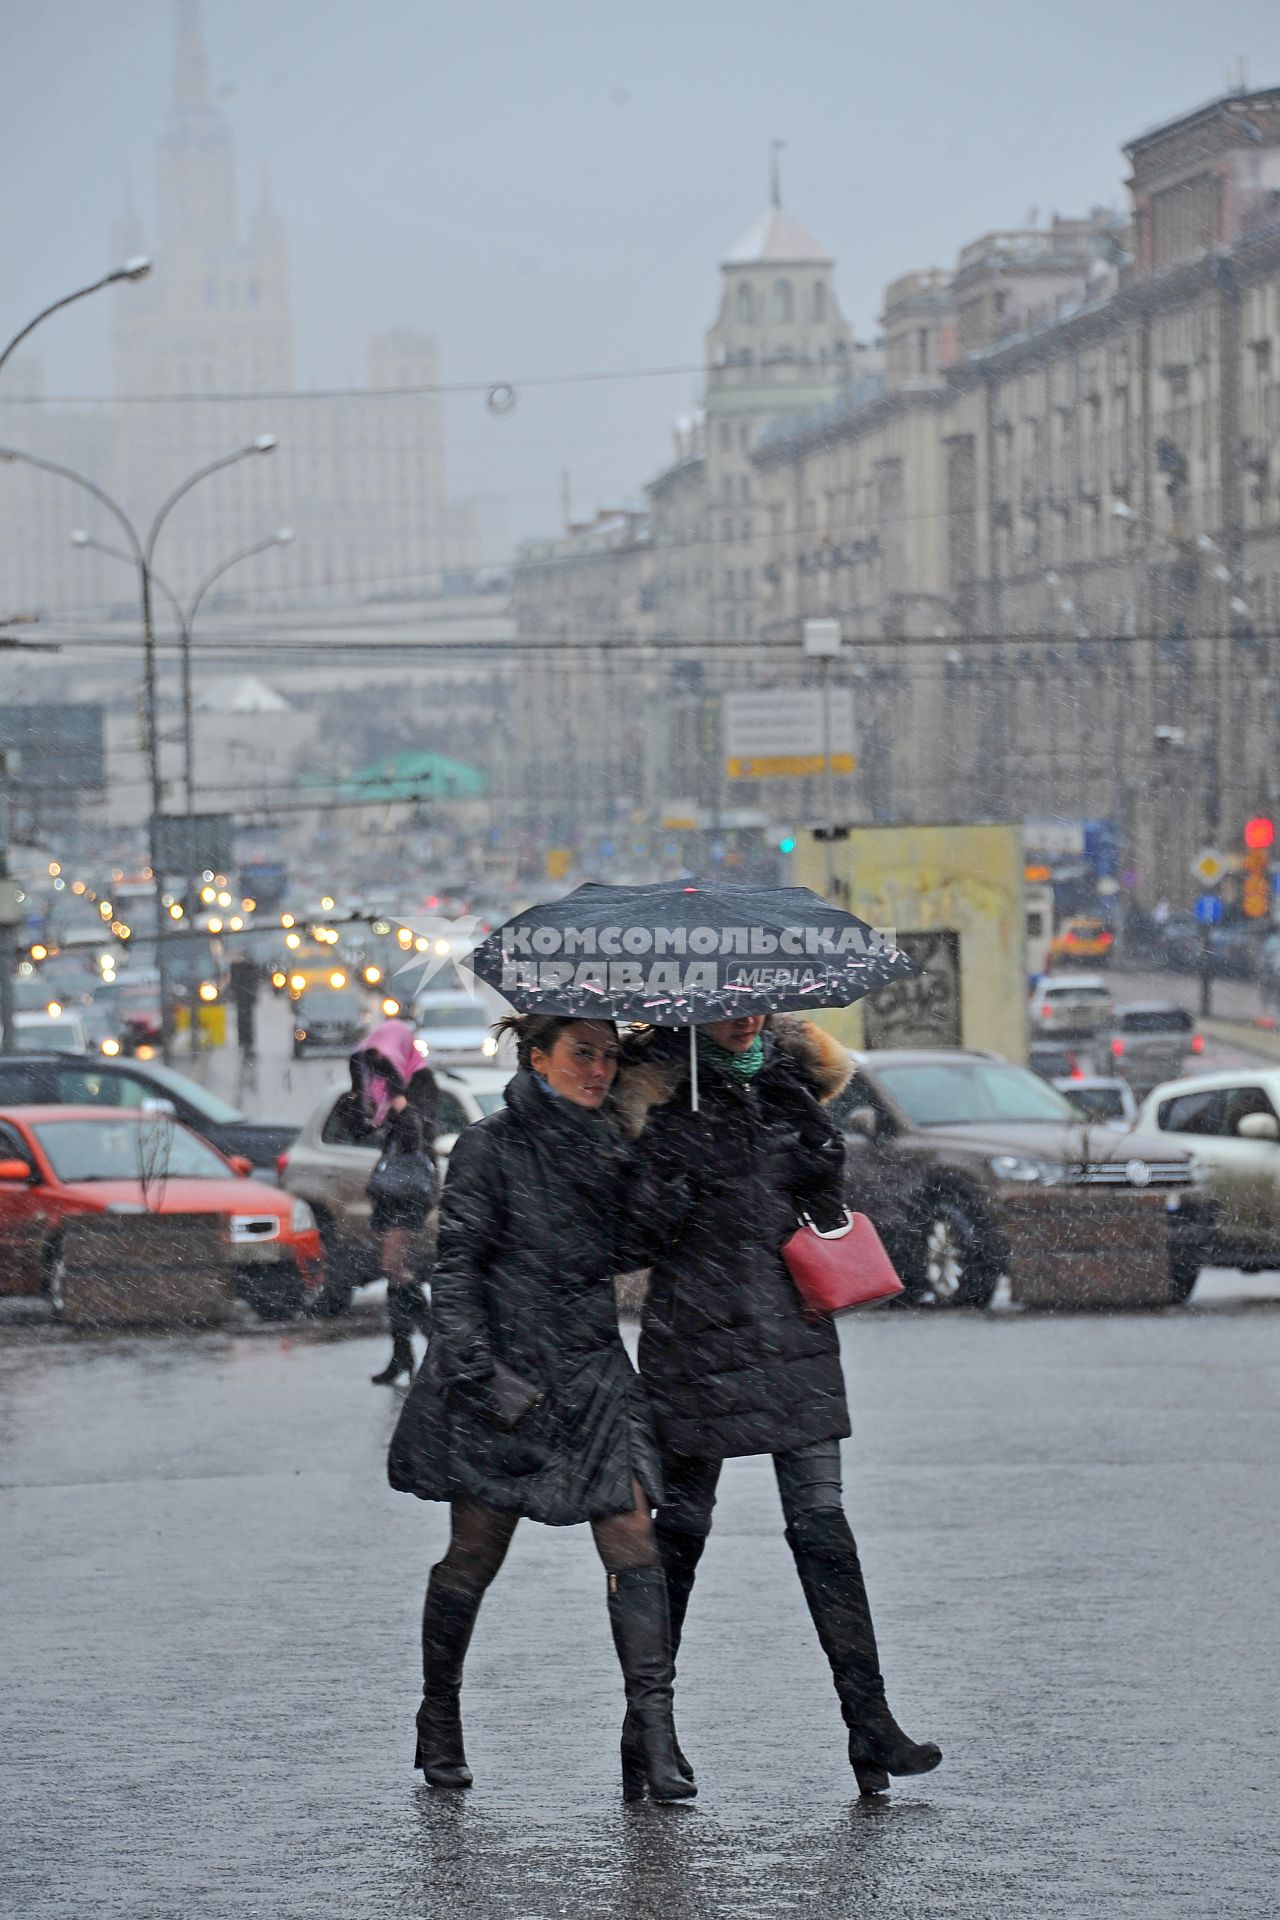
(549, 187)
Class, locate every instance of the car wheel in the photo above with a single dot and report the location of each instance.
(274, 1293)
(955, 1266)
(1184, 1271)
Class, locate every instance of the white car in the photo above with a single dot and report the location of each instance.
(452, 1028)
(329, 1169)
(40, 1032)
(1230, 1123)
(1104, 1097)
(1068, 1003)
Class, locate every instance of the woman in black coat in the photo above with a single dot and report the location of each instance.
(394, 1102)
(523, 1306)
(731, 1362)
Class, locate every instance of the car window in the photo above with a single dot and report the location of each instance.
(453, 1116)
(858, 1093)
(1239, 1102)
(464, 1013)
(163, 1083)
(1098, 994)
(91, 1087)
(18, 1085)
(940, 1094)
(491, 1102)
(1174, 1021)
(1101, 1103)
(117, 1147)
(1192, 1112)
(344, 1125)
(12, 1145)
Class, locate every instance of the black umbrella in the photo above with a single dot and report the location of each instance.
(682, 952)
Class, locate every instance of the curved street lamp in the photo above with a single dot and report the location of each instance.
(186, 619)
(136, 269)
(141, 553)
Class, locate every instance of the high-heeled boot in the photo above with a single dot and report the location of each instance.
(680, 1553)
(826, 1558)
(406, 1309)
(448, 1616)
(642, 1636)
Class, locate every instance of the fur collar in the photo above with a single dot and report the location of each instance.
(651, 1074)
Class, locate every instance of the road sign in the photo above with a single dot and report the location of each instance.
(1209, 866)
(778, 732)
(1209, 909)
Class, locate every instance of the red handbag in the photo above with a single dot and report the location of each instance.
(842, 1268)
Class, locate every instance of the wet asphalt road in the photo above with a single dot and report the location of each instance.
(211, 1610)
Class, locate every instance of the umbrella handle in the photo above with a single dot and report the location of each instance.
(693, 1068)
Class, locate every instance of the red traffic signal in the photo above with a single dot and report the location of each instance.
(1259, 833)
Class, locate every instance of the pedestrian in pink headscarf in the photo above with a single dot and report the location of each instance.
(398, 1100)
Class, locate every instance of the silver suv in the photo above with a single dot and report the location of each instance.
(1069, 1004)
(1147, 1041)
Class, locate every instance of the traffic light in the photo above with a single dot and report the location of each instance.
(787, 843)
(1259, 838)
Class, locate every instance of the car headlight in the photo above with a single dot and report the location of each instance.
(301, 1218)
(489, 1046)
(1026, 1169)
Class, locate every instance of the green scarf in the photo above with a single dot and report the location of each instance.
(737, 1066)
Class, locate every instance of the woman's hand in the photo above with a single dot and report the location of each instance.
(399, 1104)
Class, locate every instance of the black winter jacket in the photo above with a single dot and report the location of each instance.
(530, 1237)
(730, 1362)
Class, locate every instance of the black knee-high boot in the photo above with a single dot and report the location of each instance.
(642, 1635)
(448, 1616)
(680, 1553)
(830, 1572)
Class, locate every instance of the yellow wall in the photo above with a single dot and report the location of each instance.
(916, 879)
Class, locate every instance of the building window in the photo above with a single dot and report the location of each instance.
(746, 306)
(819, 300)
(744, 436)
(783, 300)
(726, 436)
(727, 529)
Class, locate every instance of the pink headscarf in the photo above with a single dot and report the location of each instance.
(394, 1041)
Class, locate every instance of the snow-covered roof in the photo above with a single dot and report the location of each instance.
(243, 696)
(777, 237)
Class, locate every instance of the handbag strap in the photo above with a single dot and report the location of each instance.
(831, 1233)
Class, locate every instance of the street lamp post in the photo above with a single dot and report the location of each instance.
(186, 618)
(136, 269)
(142, 554)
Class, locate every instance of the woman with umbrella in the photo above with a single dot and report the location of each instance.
(731, 1362)
(527, 1405)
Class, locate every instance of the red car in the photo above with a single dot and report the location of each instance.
(56, 1162)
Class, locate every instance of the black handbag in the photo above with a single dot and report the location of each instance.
(501, 1400)
(408, 1178)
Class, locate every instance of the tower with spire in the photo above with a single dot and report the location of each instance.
(778, 345)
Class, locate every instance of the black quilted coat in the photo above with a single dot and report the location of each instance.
(531, 1234)
(730, 1362)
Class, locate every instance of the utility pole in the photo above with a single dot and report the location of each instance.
(10, 913)
(822, 639)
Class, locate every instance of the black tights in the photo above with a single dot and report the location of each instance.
(480, 1536)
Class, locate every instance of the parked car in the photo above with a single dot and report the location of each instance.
(1147, 1042)
(329, 1167)
(57, 1079)
(58, 1162)
(452, 1029)
(971, 1166)
(1069, 1006)
(1230, 1123)
(1081, 940)
(1109, 1101)
(329, 1019)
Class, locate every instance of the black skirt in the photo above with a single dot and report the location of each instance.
(388, 1216)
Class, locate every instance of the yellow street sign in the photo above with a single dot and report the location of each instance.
(788, 766)
(559, 863)
(1209, 867)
